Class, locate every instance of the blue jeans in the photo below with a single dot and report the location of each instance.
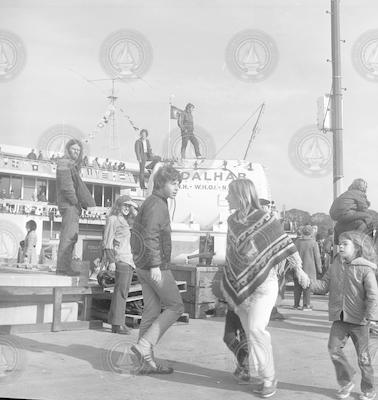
(69, 231)
(340, 332)
(123, 277)
(157, 296)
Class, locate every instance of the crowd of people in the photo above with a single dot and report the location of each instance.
(258, 254)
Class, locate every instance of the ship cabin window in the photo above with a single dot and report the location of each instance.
(29, 188)
(42, 189)
(116, 193)
(4, 185)
(51, 193)
(90, 188)
(98, 189)
(16, 185)
(108, 196)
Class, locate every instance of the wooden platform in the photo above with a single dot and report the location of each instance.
(135, 294)
(14, 294)
(11, 295)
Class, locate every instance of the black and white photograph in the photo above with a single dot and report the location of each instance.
(188, 199)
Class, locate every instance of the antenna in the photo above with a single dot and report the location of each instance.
(110, 115)
(254, 130)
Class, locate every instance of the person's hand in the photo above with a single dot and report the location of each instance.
(112, 267)
(155, 274)
(303, 278)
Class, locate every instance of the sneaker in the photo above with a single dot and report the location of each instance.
(241, 374)
(266, 391)
(296, 307)
(345, 391)
(148, 365)
(277, 315)
(121, 329)
(306, 308)
(368, 395)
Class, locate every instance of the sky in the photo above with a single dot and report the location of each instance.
(187, 42)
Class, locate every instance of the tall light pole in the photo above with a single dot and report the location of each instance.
(336, 114)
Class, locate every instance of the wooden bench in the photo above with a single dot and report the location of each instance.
(10, 294)
(55, 294)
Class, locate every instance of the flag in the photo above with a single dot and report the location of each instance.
(122, 176)
(15, 163)
(104, 175)
(175, 112)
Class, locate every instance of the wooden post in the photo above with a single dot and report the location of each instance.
(57, 309)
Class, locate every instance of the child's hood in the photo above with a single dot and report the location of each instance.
(363, 262)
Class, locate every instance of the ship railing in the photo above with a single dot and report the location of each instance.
(43, 209)
(18, 164)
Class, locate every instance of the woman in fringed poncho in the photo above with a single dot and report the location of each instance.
(257, 247)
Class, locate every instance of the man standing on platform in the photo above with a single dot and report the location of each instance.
(151, 247)
(185, 122)
(72, 196)
(143, 152)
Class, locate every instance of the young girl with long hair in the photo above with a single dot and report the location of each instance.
(118, 252)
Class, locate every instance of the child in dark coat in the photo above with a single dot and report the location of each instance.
(353, 303)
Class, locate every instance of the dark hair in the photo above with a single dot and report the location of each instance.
(144, 130)
(70, 143)
(165, 174)
(118, 204)
(188, 106)
(31, 225)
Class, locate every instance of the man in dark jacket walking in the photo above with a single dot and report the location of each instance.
(349, 210)
(151, 248)
(185, 122)
(72, 196)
